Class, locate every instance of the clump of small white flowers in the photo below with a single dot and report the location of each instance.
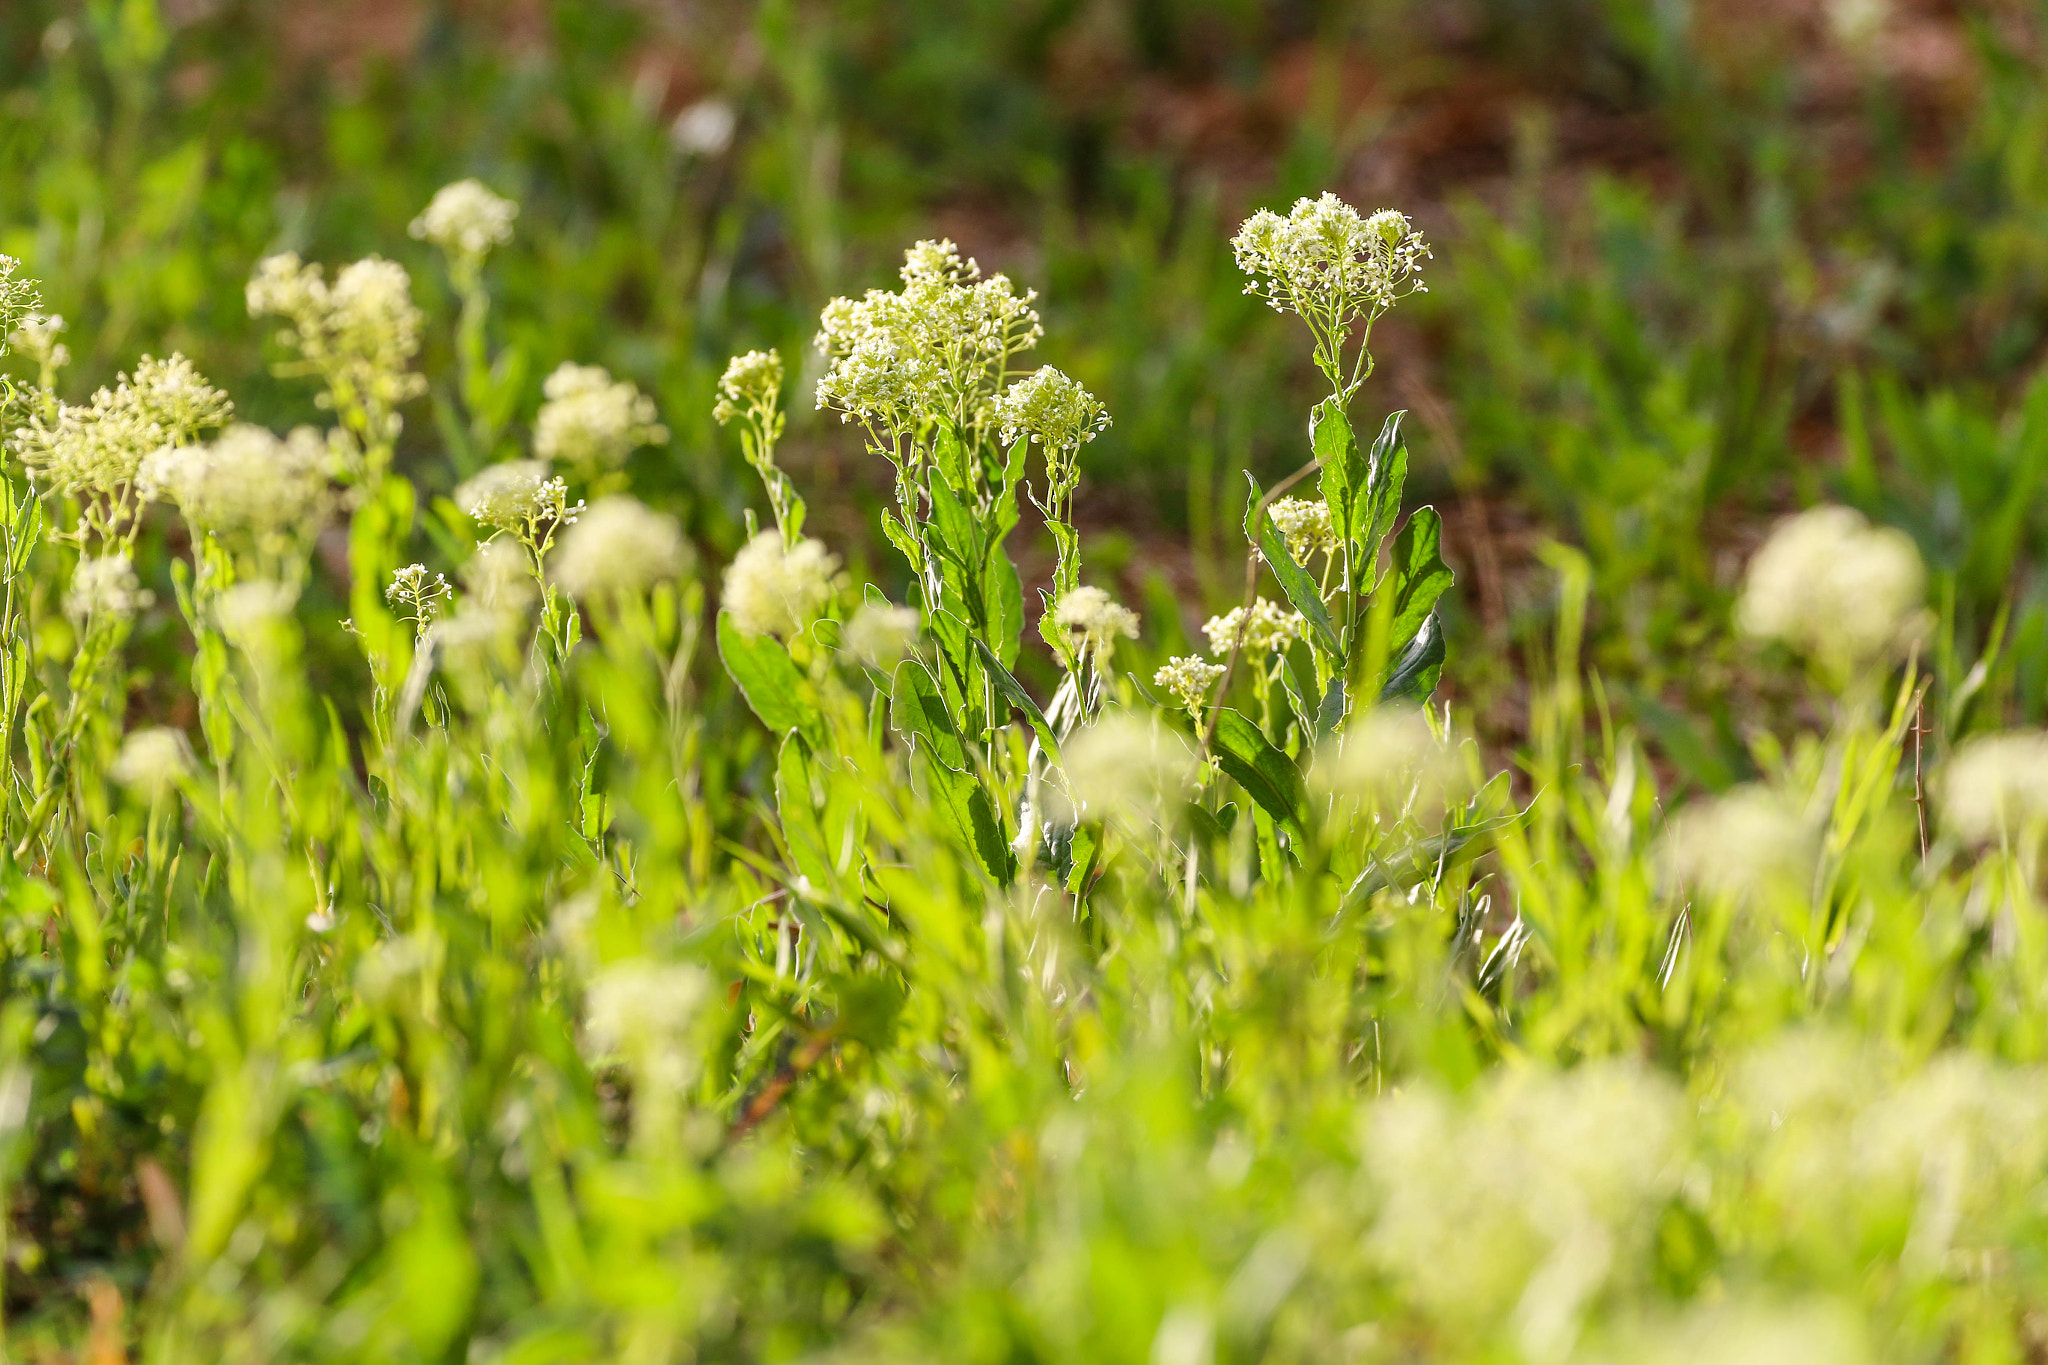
(592, 422)
(151, 762)
(1092, 622)
(95, 450)
(1052, 410)
(751, 384)
(18, 296)
(357, 333)
(499, 576)
(1996, 785)
(105, 587)
(1743, 841)
(941, 344)
(1121, 767)
(1187, 680)
(618, 546)
(1304, 523)
(518, 496)
(246, 482)
(1829, 584)
(418, 594)
(1388, 753)
(777, 589)
(1265, 629)
(466, 219)
(1534, 1180)
(37, 335)
(704, 128)
(880, 634)
(1327, 263)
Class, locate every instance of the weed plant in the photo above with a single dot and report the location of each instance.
(649, 961)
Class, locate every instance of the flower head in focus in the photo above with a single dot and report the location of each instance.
(19, 297)
(517, 496)
(418, 594)
(773, 589)
(1837, 589)
(592, 422)
(466, 219)
(619, 546)
(1051, 410)
(1323, 260)
(880, 634)
(1265, 629)
(1187, 680)
(752, 383)
(1994, 786)
(152, 761)
(105, 587)
(1304, 523)
(1092, 622)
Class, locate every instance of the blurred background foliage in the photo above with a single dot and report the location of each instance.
(1696, 263)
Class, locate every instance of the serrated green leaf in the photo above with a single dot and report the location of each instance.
(1419, 576)
(918, 712)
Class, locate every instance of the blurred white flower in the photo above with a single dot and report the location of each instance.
(247, 611)
(775, 590)
(1093, 622)
(592, 422)
(618, 546)
(880, 634)
(97, 449)
(1829, 584)
(466, 219)
(358, 333)
(1743, 841)
(704, 128)
(638, 1012)
(1995, 785)
(37, 335)
(499, 576)
(1386, 754)
(246, 482)
(105, 587)
(151, 762)
(1741, 1330)
(1122, 767)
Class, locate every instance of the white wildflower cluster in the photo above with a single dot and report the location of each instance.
(37, 335)
(942, 344)
(1265, 629)
(19, 297)
(95, 450)
(418, 593)
(1841, 1154)
(246, 483)
(704, 128)
(1092, 622)
(773, 589)
(1051, 410)
(105, 587)
(1187, 679)
(1743, 842)
(1123, 767)
(358, 333)
(248, 614)
(1324, 261)
(1519, 1203)
(1829, 584)
(517, 496)
(1996, 786)
(466, 219)
(1304, 523)
(591, 422)
(619, 546)
(151, 762)
(1386, 754)
(751, 384)
(880, 634)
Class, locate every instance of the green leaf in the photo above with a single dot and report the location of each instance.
(961, 799)
(1294, 580)
(1268, 775)
(1007, 684)
(796, 801)
(1004, 593)
(1344, 468)
(1387, 475)
(919, 713)
(1420, 576)
(767, 678)
(1412, 676)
